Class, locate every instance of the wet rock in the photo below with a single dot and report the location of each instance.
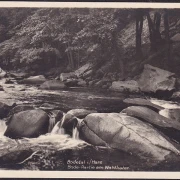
(48, 106)
(9, 81)
(125, 86)
(119, 131)
(34, 80)
(71, 116)
(20, 108)
(16, 156)
(151, 117)
(18, 75)
(142, 102)
(30, 123)
(71, 82)
(154, 80)
(52, 85)
(1, 88)
(4, 109)
(66, 76)
(81, 113)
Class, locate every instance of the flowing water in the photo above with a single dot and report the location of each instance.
(57, 150)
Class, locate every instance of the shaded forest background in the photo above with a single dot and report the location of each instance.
(118, 41)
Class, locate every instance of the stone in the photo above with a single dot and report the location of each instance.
(9, 81)
(30, 124)
(83, 70)
(70, 118)
(81, 83)
(18, 75)
(65, 76)
(34, 80)
(71, 82)
(125, 86)
(119, 131)
(5, 109)
(142, 102)
(20, 108)
(52, 85)
(1, 88)
(176, 37)
(153, 80)
(176, 95)
(151, 117)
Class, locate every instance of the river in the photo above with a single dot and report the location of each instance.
(60, 151)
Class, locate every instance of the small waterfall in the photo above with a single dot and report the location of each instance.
(75, 132)
(58, 129)
(3, 127)
(52, 122)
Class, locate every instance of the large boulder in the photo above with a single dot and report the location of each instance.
(20, 108)
(125, 86)
(65, 76)
(18, 75)
(30, 124)
(34, 80)
(52, 85)
(142, 102)
(119, 131)
(72, 116)
(154, 79)
(151, 117)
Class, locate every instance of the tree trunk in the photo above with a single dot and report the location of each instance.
(139, 27)
(154, 30)
(167, 38)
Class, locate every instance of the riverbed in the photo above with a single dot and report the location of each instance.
(60, 151)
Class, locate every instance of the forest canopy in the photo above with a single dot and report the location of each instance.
(38, 39)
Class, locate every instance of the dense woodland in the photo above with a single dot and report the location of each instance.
(62, 40)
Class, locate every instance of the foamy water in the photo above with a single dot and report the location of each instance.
(168, 109)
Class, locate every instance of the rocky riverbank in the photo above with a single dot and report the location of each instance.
(140, 127)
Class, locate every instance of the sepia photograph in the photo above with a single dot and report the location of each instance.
(90, 88)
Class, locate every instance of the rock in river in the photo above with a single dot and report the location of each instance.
(30, 123)
(70, 118)
(125, 86)
(126, 133)
(4, 109)
(53, 85)
(143, 102)
(151, 117)
(34, 80)
(154, 79)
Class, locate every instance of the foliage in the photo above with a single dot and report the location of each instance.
(63, 37)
